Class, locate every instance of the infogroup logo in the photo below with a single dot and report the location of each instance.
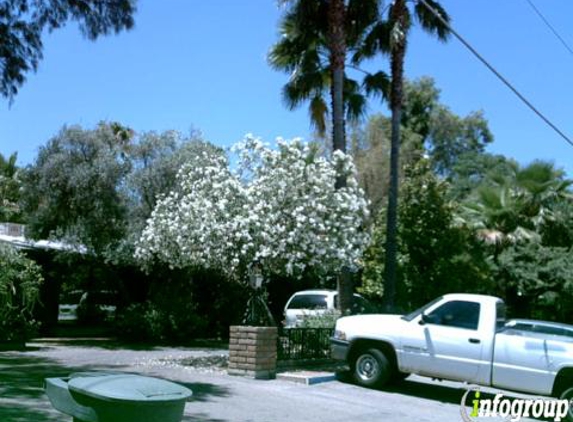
(511, 409)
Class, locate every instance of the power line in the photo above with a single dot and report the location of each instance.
(495, 72)
(544, 19)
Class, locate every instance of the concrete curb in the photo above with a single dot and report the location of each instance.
(307, 377)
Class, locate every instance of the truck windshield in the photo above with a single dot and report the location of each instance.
(412, 315)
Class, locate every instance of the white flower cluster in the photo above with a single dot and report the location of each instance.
(279, 209)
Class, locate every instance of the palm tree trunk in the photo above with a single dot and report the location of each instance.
(396, 97)
(337, 44)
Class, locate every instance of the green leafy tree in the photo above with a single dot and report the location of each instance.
(452, 137)
(24, 22)
(537, 280)
(444, 135)
(438, 256)
(429, 128)
(20, 280)
(558, 230)
(9, 189)
(472, 169)
(71, 190)
(371, 152)
(434, 255)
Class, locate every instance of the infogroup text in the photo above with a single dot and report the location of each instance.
(512, 409)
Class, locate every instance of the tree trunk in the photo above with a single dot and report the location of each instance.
(398, 14)
(337, 45)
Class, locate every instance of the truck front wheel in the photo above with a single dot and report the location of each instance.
(372, 368)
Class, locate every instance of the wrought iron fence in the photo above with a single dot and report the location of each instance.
(304, 343)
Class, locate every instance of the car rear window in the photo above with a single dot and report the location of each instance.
(71, 298)
(308, 302)
(103, 298)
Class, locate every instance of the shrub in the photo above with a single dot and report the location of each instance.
(325, 320)
(20, 280)
(183, 305)
(149, 322)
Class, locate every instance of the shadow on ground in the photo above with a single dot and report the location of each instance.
(22, 397)
(431, 391)
(200, 417)
(203, 392)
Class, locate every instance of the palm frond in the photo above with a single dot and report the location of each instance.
(429, 22)
(377, 40)
(355, 106)
(377, 84)
(318, 111)
(301, 87)
(360, 16)
(309, 17)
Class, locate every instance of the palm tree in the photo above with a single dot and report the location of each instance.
(508, 208)
(317, 36)
(390, 36)
(518, 210)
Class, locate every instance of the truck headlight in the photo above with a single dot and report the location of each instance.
(339, 335)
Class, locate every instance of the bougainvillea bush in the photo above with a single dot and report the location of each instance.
(276, 208)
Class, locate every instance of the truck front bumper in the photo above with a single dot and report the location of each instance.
(339, 349)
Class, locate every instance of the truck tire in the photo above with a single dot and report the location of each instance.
(567, 393)
(372, 368)
(400, 376)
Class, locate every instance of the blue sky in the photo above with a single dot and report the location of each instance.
(202, 64)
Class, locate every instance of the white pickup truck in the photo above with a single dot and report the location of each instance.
(459, 337)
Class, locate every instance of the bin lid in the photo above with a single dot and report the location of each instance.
(128, 387)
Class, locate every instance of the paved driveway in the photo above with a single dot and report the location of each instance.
(217, 396)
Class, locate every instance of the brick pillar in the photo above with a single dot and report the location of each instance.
(253, 351)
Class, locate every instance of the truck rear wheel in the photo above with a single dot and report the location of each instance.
(372, 368)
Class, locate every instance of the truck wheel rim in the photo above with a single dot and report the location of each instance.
(568, 395)
(367, 367)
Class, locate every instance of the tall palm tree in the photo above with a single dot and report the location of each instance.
(390, 36)
(317, 36)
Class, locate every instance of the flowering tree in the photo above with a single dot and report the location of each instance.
(278, 210)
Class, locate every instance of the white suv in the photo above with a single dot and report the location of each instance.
(315, 303)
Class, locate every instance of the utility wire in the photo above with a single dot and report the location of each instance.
(544, 19)
(495, 72)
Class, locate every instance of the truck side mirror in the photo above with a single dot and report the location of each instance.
(428, 319)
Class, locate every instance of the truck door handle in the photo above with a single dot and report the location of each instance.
(474, 340)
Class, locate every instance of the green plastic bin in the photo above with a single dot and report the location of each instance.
(117, 397)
